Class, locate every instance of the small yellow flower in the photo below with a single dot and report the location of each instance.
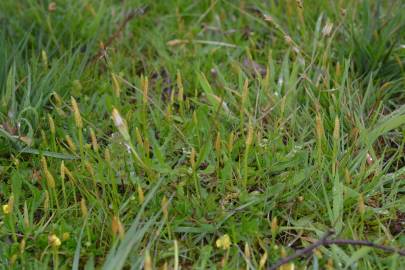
(54, 241)
(6, 209)
(224, 242)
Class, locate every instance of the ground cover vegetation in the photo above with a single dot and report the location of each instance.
(202, 134)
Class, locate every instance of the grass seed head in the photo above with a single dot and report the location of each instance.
(148, 261)
(116, 85)
(57, 98)
(117, 228)
(231, 140)
(141, 196)
(164, 205)
(249, 137)
(145, 89)
(263, 260)
(62, 170)
(65, 236)
(288, 40)
(192, 158)
(336, 131)
(46, 201)
(119, 122)
(245, 92)
(218, 143)
(51, 6)
(76, 112)
(348, 177)
(369, 159)
(195, 119)
(327, 29)
(247, 251)
(107, 155)
(70, 143)
(319, 127)
(22, 246)
(268, 18)
(329, 264)
(94, 142)
(67, 172)
(274, 225)
(146, 146)
(361, 205)
(51, 124)
(138, 137)
(83, 208)
(26, 218)
(180, 86)
(49, 178)
(338, 71)
(43, 163)
(44, 58)
(89, 168)
(13, 259)
(287, 266)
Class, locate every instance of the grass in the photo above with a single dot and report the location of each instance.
(266, 122)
